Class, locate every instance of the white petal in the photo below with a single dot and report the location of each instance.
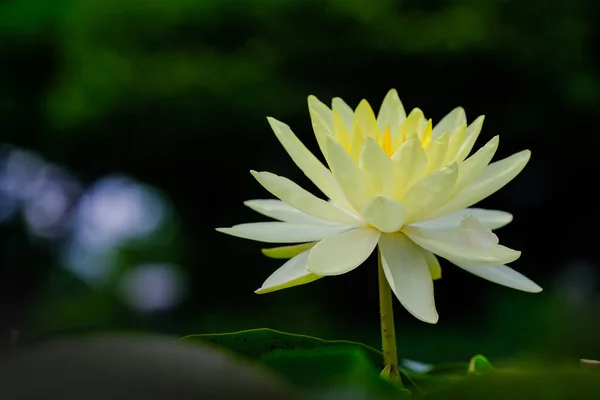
(407, 272)
(346, 112)
(292, 273)
(300, 199)
(350, 178)
(414, 123)
(340, 131)
(471, 136)
(456, 141)
(472, 166)
(493, 178)
(322, 121)
(493, 219)
(452, 246)
(436, 153)
(385, 214)
(451, 122)
(307, 162)
(391, 113)
(283, 232)
(342, 253)
(409, 164)
(365, 118)
(503, 275)
(377, 168)
(476, 235)
(430, 193)
(281, 211)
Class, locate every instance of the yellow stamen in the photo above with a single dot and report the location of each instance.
(386, 143)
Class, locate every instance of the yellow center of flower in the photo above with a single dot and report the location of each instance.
(390, 144)
(385, 141)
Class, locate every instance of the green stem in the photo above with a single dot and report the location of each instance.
(388, 332)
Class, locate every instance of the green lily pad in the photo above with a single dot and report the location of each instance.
(334, 369)
(262, 345)
(258, 343)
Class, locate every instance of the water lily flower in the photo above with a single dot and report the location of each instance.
(395, 182)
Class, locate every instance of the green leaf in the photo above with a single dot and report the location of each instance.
(257, 343)
(262, 344)
(333, 368)
(479, 365)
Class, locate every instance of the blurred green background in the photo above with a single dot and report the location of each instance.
(129, 128)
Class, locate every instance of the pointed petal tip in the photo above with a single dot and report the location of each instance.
(392, 93)
(532, 288)
(260, 291)
(430, 319)
(275, 123)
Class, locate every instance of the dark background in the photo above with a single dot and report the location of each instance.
(130, 127)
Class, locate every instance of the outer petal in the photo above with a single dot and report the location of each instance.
(451, 122)
(409, 164)
(377, 168)
(493, 177)
(307, 162)
(322, 121)
(384, 213)
(352, 181)
(283, 232)
(281, 211)
(430, 192)
(292, 273)
(503, 275)
(471, 136)
(391, 113)
(300, 199)
(455, 247)
(339, 254)
(472, 166)
(407, 272)
(492, 219)
(285, 252)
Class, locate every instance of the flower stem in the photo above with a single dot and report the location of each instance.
(388, 333)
